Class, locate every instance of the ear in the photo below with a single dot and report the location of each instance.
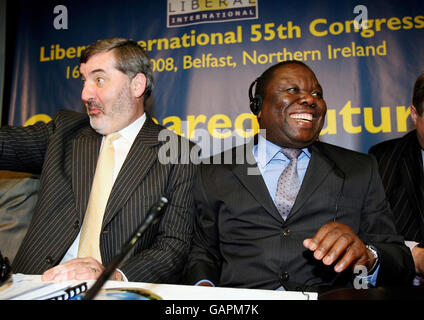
(138, 85)
(414, 114)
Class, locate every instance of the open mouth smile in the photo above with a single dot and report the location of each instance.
(302, 116)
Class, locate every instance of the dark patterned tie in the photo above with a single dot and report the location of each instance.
(288, 183)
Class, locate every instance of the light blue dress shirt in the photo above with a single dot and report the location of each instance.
(272, 163)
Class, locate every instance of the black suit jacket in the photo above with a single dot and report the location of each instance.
(242, 241)
(65, 151)
(401, 169)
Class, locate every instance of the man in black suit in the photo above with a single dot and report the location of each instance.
(248, 234)
(117, 79)
(401, 168)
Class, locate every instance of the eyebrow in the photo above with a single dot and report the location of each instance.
(98, 71)
(95, 71)
(290, 79)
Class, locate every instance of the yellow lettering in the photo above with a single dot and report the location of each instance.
(38, 118)
(402, 114)
(239, 125)
(346, 113)
(42, 55)
(70, 52)
(313, 30)
(192, 122)
(331, 123)
(385, 125)
(219, 121)
(176, 124)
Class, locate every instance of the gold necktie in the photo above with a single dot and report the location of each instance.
(102, 185)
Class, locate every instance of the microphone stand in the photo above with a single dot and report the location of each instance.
(152, 217)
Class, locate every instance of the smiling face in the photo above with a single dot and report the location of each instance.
(293, 109)
(110, 96)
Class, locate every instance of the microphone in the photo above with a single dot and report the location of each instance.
(153, 216)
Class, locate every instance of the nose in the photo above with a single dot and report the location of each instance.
(87, 93)
(307, 99)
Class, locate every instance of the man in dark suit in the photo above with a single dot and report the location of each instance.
(401, 168)
(253, 231)
(117, 79)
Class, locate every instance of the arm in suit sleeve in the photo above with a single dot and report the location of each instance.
(377, 228)
(23, 148)
(204, 260)
(164, 260)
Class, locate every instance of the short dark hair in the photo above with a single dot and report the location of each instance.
(418, 95)
(130, 58)
(266, 76)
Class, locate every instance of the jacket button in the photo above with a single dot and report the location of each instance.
(286, 232)
(48, 260)
(284, 277)
(76, 224)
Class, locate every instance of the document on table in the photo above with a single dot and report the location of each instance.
(30, 287)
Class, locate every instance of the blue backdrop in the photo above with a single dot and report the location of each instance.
(207, 52)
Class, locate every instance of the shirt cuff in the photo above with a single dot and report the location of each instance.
(411, 244)
(124, 278)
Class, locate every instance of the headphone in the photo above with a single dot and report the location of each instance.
(255, 102)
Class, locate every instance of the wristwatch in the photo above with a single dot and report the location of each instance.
(374, 252)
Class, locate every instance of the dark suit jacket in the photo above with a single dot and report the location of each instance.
(65, 151)
(242, 241)
(401, 169)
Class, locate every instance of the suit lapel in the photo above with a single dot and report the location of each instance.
(85, 151)
(249, 175)
(318, 169)
(140, 159)
(255, 184)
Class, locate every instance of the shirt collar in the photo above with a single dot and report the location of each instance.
(264, 151)
(130, 132)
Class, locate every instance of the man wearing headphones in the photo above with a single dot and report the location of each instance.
(314, 214)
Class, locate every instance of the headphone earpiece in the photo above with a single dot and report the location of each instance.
(256, 101)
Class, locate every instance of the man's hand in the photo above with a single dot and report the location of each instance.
(78, 269)
(336, 243)
(418, 255)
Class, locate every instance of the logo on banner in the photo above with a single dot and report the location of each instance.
(187, 12)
